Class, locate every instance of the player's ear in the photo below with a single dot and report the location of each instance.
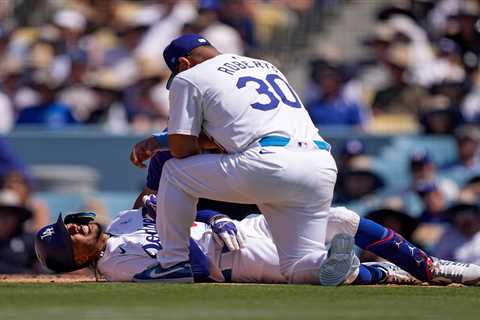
(183, 64)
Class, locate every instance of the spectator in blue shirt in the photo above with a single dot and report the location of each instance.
(48, 112)
(333, 107)
(435, 204)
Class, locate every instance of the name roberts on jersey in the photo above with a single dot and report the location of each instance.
(237, 63)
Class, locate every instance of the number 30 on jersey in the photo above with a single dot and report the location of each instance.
(266, 89)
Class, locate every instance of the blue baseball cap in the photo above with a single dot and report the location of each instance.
(420, 157)
(213, 5)
(181, 47)
(53, 245)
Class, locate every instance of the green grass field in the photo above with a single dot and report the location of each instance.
(209, 301)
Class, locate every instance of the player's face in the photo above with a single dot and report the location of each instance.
(85, 239)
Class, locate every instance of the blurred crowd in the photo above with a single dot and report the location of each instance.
(77, 62)
(421, 73)
(100, 62)
(422, 76)
(20, 215)
(439, 206)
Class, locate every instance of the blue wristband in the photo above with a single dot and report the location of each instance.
(205, 216)
(162, 140)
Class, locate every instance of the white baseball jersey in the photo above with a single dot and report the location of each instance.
(134, 244)
(227, 97)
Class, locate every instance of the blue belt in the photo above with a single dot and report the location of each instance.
(279, 141)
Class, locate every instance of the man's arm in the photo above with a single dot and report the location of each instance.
(182, 146)
(147, 148)
(143, 151)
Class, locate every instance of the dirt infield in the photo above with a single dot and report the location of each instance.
(83, 277)
(47, 278)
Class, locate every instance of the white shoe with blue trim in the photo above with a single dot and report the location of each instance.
(179, 273)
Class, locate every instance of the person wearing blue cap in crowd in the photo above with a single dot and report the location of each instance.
(423, 171)
(435, 203)
(353, 154)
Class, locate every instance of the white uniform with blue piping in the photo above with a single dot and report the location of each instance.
(134, 244)
(275, 159)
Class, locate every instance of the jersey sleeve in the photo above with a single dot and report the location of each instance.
(186, 114)
(118, 267)
(155, 169)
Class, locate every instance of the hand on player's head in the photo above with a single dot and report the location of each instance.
(86, 241)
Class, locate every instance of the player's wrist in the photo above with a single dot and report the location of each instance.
(217, 217)
(161, 141)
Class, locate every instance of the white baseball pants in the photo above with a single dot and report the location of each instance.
(292, 187)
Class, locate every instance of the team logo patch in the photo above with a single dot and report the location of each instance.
(202, 40)
(47, 233)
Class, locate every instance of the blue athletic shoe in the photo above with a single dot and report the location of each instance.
(179, 273)
(336, 268)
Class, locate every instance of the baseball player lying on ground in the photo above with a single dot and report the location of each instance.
(224, 250)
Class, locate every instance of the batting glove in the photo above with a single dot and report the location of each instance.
(225, 233)
(150, 203)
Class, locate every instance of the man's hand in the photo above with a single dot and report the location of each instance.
(225, 233)
(143, 151)
(150, 204)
